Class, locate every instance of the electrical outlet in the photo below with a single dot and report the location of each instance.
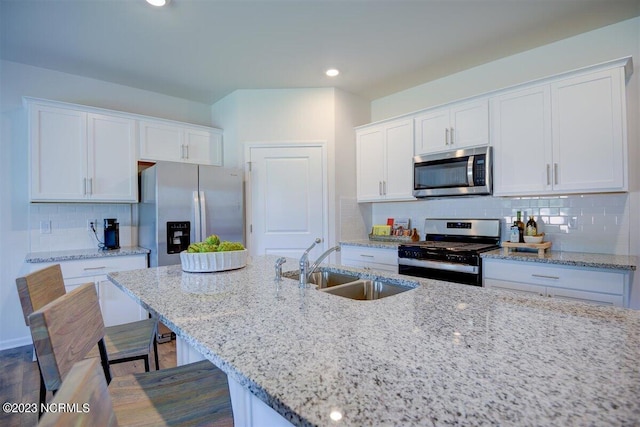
(45, 227)
(92, 222)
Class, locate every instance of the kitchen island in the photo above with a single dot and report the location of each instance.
(438, 354)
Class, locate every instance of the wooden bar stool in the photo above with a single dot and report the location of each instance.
(85, 388)
(124, 343)
(193, 394)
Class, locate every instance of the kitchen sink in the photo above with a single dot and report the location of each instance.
(323, 279)
(350, 285)
(365, 290)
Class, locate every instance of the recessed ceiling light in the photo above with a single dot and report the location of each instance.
(158, 2)
(332, 72)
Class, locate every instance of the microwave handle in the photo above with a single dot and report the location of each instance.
(470, 163)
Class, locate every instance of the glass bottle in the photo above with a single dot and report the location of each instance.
(520, 226)
(532, 227)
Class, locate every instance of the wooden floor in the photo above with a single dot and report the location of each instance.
(20, 383)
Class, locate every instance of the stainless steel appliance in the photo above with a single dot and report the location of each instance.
(453, 173)
(181, 203)
(451, 250)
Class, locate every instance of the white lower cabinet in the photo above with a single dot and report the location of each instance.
(248, 410)
(593, 285)
(117, 307)
(370, 257)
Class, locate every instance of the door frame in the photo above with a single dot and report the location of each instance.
(248, 190)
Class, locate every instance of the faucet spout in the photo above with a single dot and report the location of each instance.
(304, 263)
(321, 258)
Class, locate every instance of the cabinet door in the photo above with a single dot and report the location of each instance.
(370, 147)
(432, 132)
(161, 141)
(398, 182)
(118, 307)
(521, 137)
(202, 147)
(469, 124)
(58, 163)
(590, 297)
(112, 159)
(589, 132)
(523, 288)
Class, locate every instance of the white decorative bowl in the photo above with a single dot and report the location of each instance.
(207, 262)
(533, 239)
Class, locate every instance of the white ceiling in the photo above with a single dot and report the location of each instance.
(202, 50)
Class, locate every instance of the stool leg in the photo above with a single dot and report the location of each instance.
(155, 352)
(43, 394)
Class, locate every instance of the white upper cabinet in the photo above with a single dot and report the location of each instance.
(589, 132)
(521, 136)
(384, 155)
(565, 136)
(80, 156)
(163, 140)
(456, 126)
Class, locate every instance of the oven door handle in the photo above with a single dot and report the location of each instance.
(439, 265)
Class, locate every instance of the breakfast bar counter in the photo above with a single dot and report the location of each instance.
(438, 354)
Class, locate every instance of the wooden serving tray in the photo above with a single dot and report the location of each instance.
(540, 247)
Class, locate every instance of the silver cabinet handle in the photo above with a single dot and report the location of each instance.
(94, 268)
(186, 149)
(380, 188)
(90, 186)
(366, 256)
(542, 276)
(84, 185)
(446, 136)
(451, 137)
(548, 174)
(384, 188)
(555, 173)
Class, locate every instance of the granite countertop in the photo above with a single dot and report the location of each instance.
(577, 259)
(438, 354)
(372, 243)
(69, 255)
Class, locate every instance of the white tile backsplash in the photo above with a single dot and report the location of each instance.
(69, 225)
(593, 223)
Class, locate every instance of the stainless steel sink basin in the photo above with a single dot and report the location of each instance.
(364, 290)
(324, 279)
(350, 286)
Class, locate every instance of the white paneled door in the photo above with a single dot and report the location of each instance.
(288, 193)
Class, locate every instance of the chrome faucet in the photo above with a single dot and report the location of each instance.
(304, 263)
(321, 258)
(278, 268)
(305, 270)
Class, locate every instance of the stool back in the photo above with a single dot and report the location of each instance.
(65, 330)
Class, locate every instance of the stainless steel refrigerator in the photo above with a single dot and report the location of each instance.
(182, 203)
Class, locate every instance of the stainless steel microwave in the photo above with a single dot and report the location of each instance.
(453, 173)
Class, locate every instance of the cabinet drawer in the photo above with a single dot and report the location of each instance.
(583, 279)
(370, 255)
(101, 266)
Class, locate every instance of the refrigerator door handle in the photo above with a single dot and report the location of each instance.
(197, 220)
(203, 215)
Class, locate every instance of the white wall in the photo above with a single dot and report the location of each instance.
(17, 217)
(297, 115)
(587, 223)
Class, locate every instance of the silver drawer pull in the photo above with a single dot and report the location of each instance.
(542, 276)
(94, 268)
(367, 256)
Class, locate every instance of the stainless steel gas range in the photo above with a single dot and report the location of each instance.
(451, 250)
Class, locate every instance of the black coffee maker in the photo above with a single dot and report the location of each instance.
(111, 234)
